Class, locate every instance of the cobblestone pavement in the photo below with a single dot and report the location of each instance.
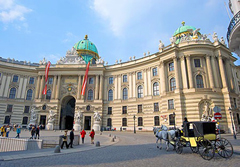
(131, 150)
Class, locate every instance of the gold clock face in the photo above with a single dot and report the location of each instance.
(69, 89)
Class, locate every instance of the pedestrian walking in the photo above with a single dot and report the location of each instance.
(83, 133)
(64, 140)
(33, 133)
(37, 132)
(18, 132)
(92, 133)
(2, 130)
(71, 138)
(7, 131)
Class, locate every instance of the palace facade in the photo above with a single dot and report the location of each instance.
(187, 78)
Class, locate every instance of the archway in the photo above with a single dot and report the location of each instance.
(67, 113)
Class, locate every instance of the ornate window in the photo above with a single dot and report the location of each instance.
(172, 84)
(140, 108)
(48, 95)
(15, 78)
(7, 120)
(156, 107)
(29, 94)
(25, 120)
(90, 94)
(26, 109)
(124, 110)
(12, 93)
(154, 71)
(50, 81)
(125, 94)
(110, 81)
(170, 104)
(109, 122)
(90, 80)
(139, 75)
(156, 121)
(155, 89)
(124, 78)
(31, 80)
(197, 63)
(199, 80)
(171, 119)
(140, 91)
(110, 95)
(109, 110)
(171, 66)
(140, 121)
(124, 122)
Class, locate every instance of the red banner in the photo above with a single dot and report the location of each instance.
(85, 80)
(46, 78)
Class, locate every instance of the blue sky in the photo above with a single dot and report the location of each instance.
(31, 30)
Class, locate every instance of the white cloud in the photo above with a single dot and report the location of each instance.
(69, 37)
(10, 11)
(119, 14)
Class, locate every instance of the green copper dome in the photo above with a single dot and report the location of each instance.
(183, 29)
(86, 49)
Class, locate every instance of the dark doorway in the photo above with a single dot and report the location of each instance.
(42, 120)
(67, 113)
(87, 123)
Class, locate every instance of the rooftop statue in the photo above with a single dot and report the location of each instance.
(97, 116)
(161, 45)
(215, 37)
(51, 116)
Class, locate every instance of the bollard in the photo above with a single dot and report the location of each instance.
(57, 149)
(114, 137)
(109, 135)
(98, 144)
(113, 140)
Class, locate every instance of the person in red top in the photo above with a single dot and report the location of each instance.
(83, 133)
(92, 133)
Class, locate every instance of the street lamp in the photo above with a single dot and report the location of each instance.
(230, 112)
(174, 119)
(134, 117)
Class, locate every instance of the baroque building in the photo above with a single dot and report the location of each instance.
(187, 78)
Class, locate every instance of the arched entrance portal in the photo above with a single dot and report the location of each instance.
(67, 113)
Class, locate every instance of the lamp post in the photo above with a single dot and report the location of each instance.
(230, 112)
(174, 119)
(134, 117)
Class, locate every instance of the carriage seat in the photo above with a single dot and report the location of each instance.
(189, 133)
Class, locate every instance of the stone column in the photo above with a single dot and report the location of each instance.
(24, 87)
(215, 71)
(4, 77)
(7, 84)
(79, 87)
(145, 82)
(210, 72)
(229, 73)
(37, 87)
(58, 87)
(184, 74)
(105, 93)
(101, 87)
(116, 87)
(119, 86)
(162, 77)
(130, 85)
(176, 72)
(134, 85)
(54, 87)
(236, 90)
(222, 72)
(41, 87)
(96, 87)
(189, 66)
(149, 82)
(20, 87)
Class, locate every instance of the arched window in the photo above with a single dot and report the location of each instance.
(140, 91)
(109, 122)
(90, 94)
(155, 89)
(12, 93)
(140, 121)
(29, 94)
(124, 122)
(172, 84)
(110, 95)
(199, 80)
(7, 119)
(48, 96)
(125, 94)
(139, 75)
(156, 121)
(25, 120)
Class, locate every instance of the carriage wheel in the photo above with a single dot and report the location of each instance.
(206, 149)
(179, 147)
(224, 148)
(194, 149)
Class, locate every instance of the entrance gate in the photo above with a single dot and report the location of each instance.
(67, 113)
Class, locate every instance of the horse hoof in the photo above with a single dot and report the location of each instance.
(157, 147)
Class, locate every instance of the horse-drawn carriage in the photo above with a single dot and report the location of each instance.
(201, 138)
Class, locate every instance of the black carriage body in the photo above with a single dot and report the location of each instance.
(199, 128)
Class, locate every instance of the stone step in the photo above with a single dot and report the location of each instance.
(46, 145)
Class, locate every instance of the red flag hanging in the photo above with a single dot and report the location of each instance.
(85, 80)
(46, 78)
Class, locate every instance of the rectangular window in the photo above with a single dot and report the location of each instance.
(25, 120)
(15, 78)
(197, 63)
(110, 80)
(171, 119)
(31, 80)
(156, 107)
(140, 108)
(140, 121)
(124, 110)
(9, 107)
(124, 78)
(170, 104)
(109, 110)
(26, 109)
(156, 121)
(90, 80)
(235, 102)
(50, 81)
(154, 71)
(139, 75)
(171, 66)
(124, 122)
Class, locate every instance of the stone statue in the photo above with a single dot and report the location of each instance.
(33, 117)
(215, 37)
(116, 61)
(144, 54)
(51, 117)
(222, 41)
(161, 45)
(96, 116)
(207, 113)
(134, 57)
(97, 121)
(173, 40)
(78, 116)
(130, 58)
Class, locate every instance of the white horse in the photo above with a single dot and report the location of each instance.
(162, 133)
